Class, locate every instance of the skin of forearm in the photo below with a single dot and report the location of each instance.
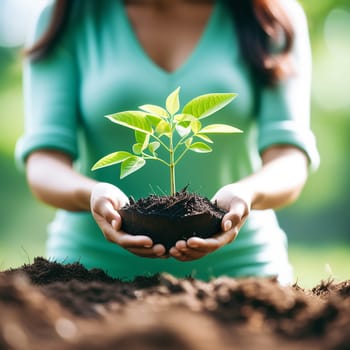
(53, 180)
(279, 181)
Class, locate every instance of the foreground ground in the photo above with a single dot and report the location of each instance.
(45, 305)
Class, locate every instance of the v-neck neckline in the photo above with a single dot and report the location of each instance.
(191, 57)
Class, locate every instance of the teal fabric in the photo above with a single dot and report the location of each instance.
(100, 68)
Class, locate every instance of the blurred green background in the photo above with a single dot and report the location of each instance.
(317, 224)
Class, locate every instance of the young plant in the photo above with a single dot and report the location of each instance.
(177, 133)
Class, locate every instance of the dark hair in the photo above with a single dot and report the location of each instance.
(266, 36)
(260, 25)
(57, 24)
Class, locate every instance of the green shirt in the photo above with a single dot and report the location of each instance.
(100, 68)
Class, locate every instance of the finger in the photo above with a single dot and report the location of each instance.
(230, 220)
(203, 245)
(195, 246)
(227, 237)
(107, 192)
(182, 251)
(238, 212)
(157, 251)
(181, 244)
(116, 224)
(233, 221)
(108, 231)
(174, 252)
(112, 234)
(133, 241)
(188, 255)
(106, 209)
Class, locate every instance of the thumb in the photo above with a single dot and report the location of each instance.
(116, 224)
(226, 225)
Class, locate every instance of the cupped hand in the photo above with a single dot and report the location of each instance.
(233, 199)
(105, 201)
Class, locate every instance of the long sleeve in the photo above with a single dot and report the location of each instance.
(51, 100)
(284, 115)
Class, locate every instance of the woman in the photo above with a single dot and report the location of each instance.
(91, 58)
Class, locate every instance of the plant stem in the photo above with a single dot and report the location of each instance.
(148, 157)
(161, 142)
(181, 155)
(172, 166)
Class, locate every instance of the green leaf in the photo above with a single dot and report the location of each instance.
(153, 146)
(204, 137)
(163, 128)
(219, 129)
(186, 120)
(111, 159)
(172, 102)
(181, 117)
(154, 109)
(188, 142)
(196, 126)
(130, 165)
(142, 138)
(206, 105)
(137, 148)
(154, 120)
(136, 120)
(200, 147)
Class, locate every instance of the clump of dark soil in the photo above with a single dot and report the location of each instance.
(53, 306)
(182, 204)
(168, 219)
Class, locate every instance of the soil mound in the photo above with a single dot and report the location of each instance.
(55, 306)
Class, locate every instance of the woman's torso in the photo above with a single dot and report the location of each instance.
(117, 73)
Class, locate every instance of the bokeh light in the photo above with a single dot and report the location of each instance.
(16, 17)
(332, 89)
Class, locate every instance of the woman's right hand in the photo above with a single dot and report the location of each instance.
(105, 201)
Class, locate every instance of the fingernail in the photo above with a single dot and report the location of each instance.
(227, 225)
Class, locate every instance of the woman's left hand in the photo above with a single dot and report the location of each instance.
(236, 201)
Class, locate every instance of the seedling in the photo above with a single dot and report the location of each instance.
(178, 133)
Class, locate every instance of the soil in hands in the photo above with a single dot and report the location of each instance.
(181, 204)
(167, 219)
(46, 305)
